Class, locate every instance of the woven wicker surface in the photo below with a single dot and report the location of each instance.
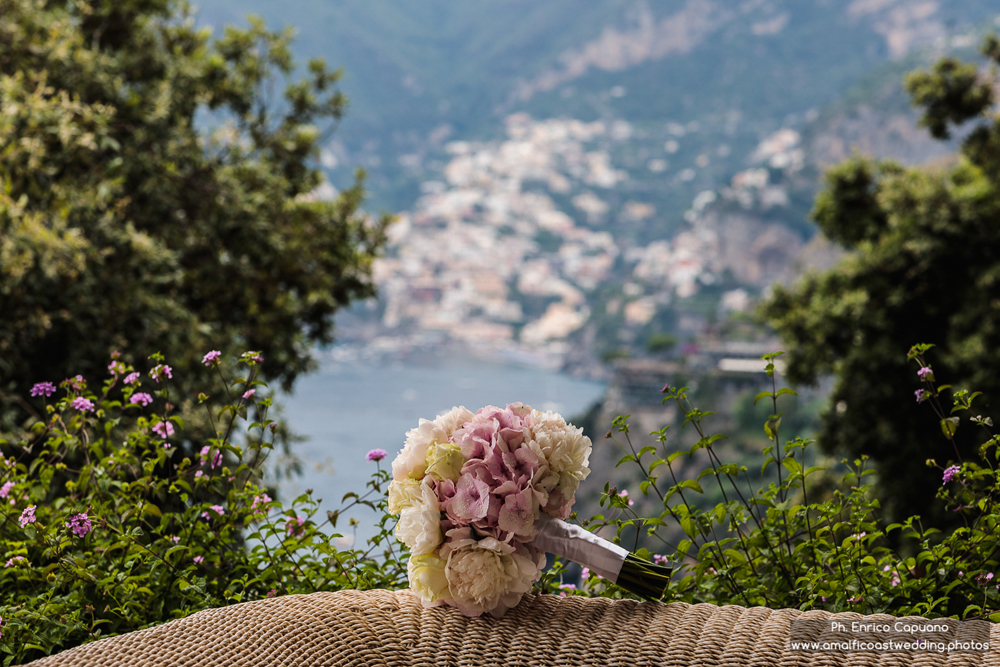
(392, 629)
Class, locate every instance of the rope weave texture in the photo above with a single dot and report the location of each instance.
(392, 629)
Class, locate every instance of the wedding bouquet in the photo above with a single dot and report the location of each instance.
(481, 497)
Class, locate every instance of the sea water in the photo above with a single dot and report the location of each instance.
(348, 409)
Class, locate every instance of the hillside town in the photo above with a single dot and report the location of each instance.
(488, 259)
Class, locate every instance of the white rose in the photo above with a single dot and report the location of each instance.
(412, 460)
(428, 579)
(403, 493)
(444, 460)
(419, 525)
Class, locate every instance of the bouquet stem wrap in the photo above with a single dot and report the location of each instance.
(611, 561)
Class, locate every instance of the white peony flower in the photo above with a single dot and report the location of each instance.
(565, 448)
(403, 493)
(419, 525)
(486, 575)
(428, 579)
(412, 460)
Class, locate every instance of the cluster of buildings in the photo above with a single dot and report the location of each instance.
(488, 259)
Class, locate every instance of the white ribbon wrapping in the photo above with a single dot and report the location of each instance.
(562, 539)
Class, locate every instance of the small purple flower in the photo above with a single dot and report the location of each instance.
(77, 382)
(198, 559)
(15, 560)
(27, 516)
(199, 474)
(659, 559)
(131, 377)
(5, 489)
(271, 593)
(211, 357)
(217, 459)
(624, 494)
(218, 509)
(919, 393)
(175, 538)
(160, 370)
(141, 398)
(82, 404)
(924, 372)
(377, 454)
(665, 389)
(116, 368)
(204, 451)
(249, 393)
(79, 524)
(949, 474)
(164, 429)
(43, 389)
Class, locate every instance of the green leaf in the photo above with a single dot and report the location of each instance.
(763, 394)
(691, 484)
(949, 425)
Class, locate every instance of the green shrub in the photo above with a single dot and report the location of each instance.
(105, 528)
(797, 540)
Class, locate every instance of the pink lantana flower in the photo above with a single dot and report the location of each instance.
(27, 516)
(262, 499)
(79, 524)
(43, 389)
(82, 404)
(294, 526)
(131, 377)
(164, 429)
(160, 371)
(141, 398)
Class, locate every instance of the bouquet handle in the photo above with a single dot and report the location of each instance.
(611, 561)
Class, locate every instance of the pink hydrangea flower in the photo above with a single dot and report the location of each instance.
(82, 404)
(5, 489)
(79, 524)
(141, 398)
(211, 357)
(43, 389)
(164, 429)
(377, 454)
(27, 516)
(131, 377)
(249, 393)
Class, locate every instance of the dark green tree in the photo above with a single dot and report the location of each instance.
(157, 194)
(924, 267)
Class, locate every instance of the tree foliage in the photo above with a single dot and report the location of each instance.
(156, 193)
(924, 266)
